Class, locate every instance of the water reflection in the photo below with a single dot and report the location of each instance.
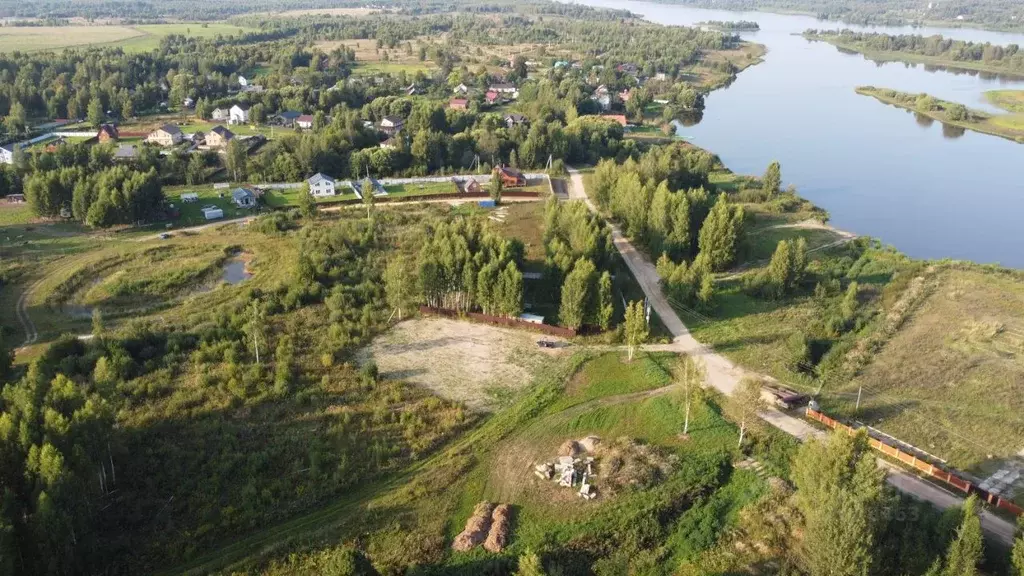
(689, 119)
(924, 120)
(952, 132)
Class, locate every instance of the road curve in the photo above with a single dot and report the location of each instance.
(724, 375)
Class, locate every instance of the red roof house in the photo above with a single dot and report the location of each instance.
(458, 104)
(621, 119)
(492, 96)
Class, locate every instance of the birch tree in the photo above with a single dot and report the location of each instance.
(636, 327)
(744, 406)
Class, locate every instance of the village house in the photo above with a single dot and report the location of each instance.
(53, 145)
(510, 177)
(390, 143)
(238, 115)
(7, 153)
(166, 135)
(625, 95)
(458, 104)
(243, 198)
(188, 103)
(219, 137)
(321, 185)
(391, 125)
(220, 114)
(125, 153)
(617, 118)
(505, 89)
(461, 89)
(603, 97)
(492, 97)
(305, 122)
(288, 117)
(15, 198)
(513, 120)
(107, 133)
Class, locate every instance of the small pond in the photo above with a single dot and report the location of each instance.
(236, 270)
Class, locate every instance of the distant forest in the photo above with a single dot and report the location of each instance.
(1002, 14)
(140, 11)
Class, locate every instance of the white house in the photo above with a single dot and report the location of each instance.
(7, 154)
(243, 198)
(461, 89)
(391, 124)
(242, 81)
(305, 121)
(220, 114)
(509, 90)
(238, 115)
(321, 185)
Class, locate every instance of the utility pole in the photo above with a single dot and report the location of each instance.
(859, 390)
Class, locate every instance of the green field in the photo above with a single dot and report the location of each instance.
(1009, 100)
(140, 38)
(368, 68)
(191, 212)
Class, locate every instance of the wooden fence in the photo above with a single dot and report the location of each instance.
(501, 321)
(948, 477)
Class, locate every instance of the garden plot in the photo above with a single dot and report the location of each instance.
(476, 364)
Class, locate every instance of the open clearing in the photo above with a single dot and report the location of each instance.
(951, 381)
(131, 38)
(476, 364)
(327, 12)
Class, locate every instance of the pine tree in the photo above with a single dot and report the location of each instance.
(636, 327)
(529, 565)
(496, 188)
(772, 180)
(965, 552)
(606, 307)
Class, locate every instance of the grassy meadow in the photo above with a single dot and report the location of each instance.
(138, 38)
(1009, 100)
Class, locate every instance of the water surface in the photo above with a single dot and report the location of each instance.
(931, 191)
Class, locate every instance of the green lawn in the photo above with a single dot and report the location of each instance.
(141, 38)
(153, 33)
(196, 125)
(191, 212)
(425, 189)
(290, 197)
(1009, 100)
(390, 68)
(15, 214)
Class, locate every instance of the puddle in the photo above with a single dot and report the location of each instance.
(236, 271)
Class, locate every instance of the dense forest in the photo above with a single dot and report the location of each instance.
(989, 13)
(1008, 57)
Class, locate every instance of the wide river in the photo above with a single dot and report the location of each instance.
(879, 171)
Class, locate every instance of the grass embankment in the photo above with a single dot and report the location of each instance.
(1009, 100)
(1009, 126)
(897, 56)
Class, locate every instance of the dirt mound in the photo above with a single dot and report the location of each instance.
(589, 443)
(570, 448)
(497, 538)
(476, 528)
(625, 463)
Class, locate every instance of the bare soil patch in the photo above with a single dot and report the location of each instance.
(475, 364)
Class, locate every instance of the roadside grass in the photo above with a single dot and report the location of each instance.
(15, 214)
(610, 375)
(1009, 100)
(949, 380)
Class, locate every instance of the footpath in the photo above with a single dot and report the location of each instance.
(724, 375)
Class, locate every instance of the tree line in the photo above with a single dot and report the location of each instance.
(1009, 57)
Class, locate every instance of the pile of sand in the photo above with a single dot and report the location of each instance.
(497, 538)
(476, 528)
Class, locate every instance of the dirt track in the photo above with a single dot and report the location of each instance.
(724, 376)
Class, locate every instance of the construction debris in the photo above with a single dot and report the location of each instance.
(477, 528)
(569, 470)
(497, 537)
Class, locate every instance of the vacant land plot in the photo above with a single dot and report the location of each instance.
(35, 38)
(950, 381)
(328, 12)
(476, 364)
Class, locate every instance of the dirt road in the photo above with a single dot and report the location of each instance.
(724, 375)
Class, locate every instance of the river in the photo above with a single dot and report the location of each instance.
(930, 191)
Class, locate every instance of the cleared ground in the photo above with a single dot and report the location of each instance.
(131, 38)
(951, 381)
(476, 364)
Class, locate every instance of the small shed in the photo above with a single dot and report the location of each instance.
(189, 197)
(212, 213)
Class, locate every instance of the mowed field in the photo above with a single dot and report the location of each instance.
(951, 381)
(131, 38)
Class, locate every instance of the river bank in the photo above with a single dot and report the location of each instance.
(1009, 126)
(841, 42)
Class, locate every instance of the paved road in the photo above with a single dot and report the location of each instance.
(724, 375)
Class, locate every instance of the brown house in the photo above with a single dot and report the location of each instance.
(219, 137)
(458, 104)
(107, 133)
(510, 177)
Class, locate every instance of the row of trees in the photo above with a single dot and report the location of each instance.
(1009, 57)
(116, 195)
(463, 266)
